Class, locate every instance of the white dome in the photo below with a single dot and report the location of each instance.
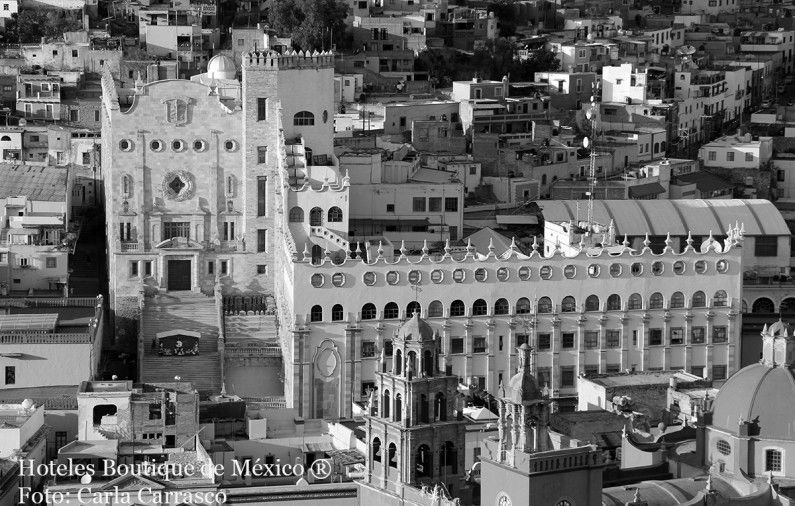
(221, 66)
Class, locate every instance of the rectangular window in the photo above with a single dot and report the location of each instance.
(567, 377)
(730, 156)
(544, 376)
(74, 115)
(262, 109)
(262, 269)
(23, 262)
(612, 368)
(262, 154)
(155, 411)
(87, 158)
(697, 370)
(719, 372)
(51, 262)
(418, 204)
(229, 231)
(781, 175)
(451, 204)
(655, 337)
(262, 240)
(457, 345)
(719, 334)
(567, 340)
(677, 335)
(134, 268)
(368, 349)
(148, 268)
(211, 267)
(390, 208)
(697, 335)
(11, 375)
(766, 245)
(712, 156)
(60, 439)
(479, 344)
(224, 267)
(262, 195)
(749, 157)
(544, 341)
(773, 461)
(435, 204)
(612, 338)
(173, 229)
(591, 339)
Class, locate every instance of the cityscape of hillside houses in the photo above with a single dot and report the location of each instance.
(398, 252)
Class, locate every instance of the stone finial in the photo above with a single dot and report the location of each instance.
(403, 249)
(346, 180)
(326, 255)
(668, 242)
(581, 243)
(709, 488)
(425, 247)
(535, 244)
(307, 254)
(491, 246)
(611, 233)
(512, 247)
(355, 251)
(447, 247)
(625, 242)
(689, 240)
(470, 248)
(646, 241)
(380, 250)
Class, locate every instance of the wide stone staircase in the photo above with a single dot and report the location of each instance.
(182, 311)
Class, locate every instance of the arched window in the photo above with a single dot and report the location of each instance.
(398, 361)
(385, 405)
(656, 301)
(662, 146)
(422, 462)
(337, 313)
(523, 306)
(457, 308)
(368, 311)
(335, 215)
(440, 407)
(303, 118)
(375, 446)
(5, 138)
(435, 309)
(787, 306)
(392, 455)
(719, 300)
(501, 306)
(316, 217)
(425, 412)
(543, 179)
(391, 311)
(763, 305)
(449, 457)
(480, 308)
(427, 363)
(568, 304)
(545, 305)
(296, 215)
(635, 301)
(699, 299)
(656, 147)
(398, 416)
(677, 300)
(413, 307)
(316, 315)
(592, 303)
(126, 185)
(614, 302)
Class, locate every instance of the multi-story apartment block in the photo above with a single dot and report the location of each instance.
(779, 43)
(499, 107)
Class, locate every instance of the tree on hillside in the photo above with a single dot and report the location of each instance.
(31, 25)
(505, 12)
(312, 24)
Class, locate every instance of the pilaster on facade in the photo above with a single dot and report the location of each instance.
(490, 348)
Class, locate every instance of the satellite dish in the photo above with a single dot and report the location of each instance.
(23, 122)
(589, 114)
(586, 142)
(686, 50)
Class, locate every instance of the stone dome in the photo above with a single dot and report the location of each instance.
(759, 393)
(415, 329)
(221, 66)
(522, 388)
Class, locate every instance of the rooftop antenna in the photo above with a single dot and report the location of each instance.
(590, 114)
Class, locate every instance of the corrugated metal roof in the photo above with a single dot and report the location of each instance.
(677, 217)
(644, 190)
(44, 183)
(16, 322)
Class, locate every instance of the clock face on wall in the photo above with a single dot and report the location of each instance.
(503, 500)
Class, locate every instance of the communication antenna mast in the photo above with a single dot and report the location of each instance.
(590, 114)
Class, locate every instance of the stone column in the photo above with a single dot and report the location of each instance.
(491, 340)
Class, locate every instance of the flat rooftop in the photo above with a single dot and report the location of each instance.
(645, 378)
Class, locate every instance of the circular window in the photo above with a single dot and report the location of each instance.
(593, 270)
(199, 145)
(230, 145)
(637, 269)
(458, 275)
(679, 267)
(318, 280)
(524, 273)
(657, 268)
(723, 446)
(392, 277)
(156, 145)
(437, 276)
(369, 278)
(616, 270)
(480, 274)
(415, 277)
(338, 279)
(502, 273)
(701, 267)
(126, 145)
(569, 271)
(722, 266)
(545, 272)
(177, 145)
